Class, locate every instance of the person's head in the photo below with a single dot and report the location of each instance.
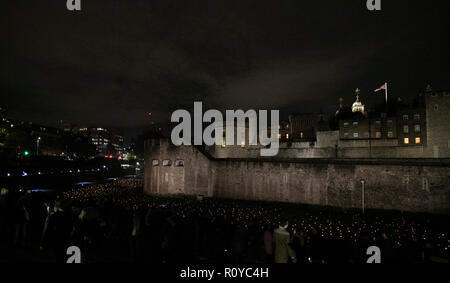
(58, 206)
(284, 224)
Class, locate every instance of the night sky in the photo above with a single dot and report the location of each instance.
(115, 61)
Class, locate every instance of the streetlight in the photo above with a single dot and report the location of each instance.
(362, 193)
(37, 145)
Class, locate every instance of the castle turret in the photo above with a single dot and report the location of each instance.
(357, 105)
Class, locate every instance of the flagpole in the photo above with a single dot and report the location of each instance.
(385, 91)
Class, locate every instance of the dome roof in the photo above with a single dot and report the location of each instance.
(357, 106)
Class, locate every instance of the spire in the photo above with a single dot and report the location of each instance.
(357, 94)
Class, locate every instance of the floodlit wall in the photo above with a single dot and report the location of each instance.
(400, 184)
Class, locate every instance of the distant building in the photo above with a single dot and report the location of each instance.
(284, 131)
(304, 127)
(81, 130)
(411, 123)
(100, 138)
(117, 142)
(378, 126)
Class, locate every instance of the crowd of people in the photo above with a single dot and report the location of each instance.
(117, 221)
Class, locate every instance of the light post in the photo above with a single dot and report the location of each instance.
(37, 145)
(362, 193)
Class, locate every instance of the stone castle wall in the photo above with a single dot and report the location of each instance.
(410, 185)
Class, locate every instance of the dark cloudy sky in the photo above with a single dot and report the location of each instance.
(115, 61)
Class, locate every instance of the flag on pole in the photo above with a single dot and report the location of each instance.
(384, 86)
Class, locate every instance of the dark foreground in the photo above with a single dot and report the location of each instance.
(116, 222)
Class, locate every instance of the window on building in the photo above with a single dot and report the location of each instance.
(417, 140)
(167, 162)
(417, 128)
(279, 136)
(287, 136)
(416, 116)
(390, 134)
(242, 143)
(355, 124)
(389, 121)
(345, 135)
(378, 135)
(406, 140)
(405, 117)
(224, 143)
(179, 163)
(345, 124)
(378, 122)
(355, 135)
(301, 135)
(405, 129)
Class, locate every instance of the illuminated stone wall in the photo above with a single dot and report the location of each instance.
(410, 185)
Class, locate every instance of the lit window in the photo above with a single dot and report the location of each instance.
(224, 143)
(417, 140)
(406, 140)
(167, 162)
(390, 134)
(355, 124)
(242, 143)
(378, 135)
(345, 124)
(405, 117)
(405, 129)
(355, 135)
(287, 136)
(417, 128)
(416, 116)
(155, 162)
(301, 135)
